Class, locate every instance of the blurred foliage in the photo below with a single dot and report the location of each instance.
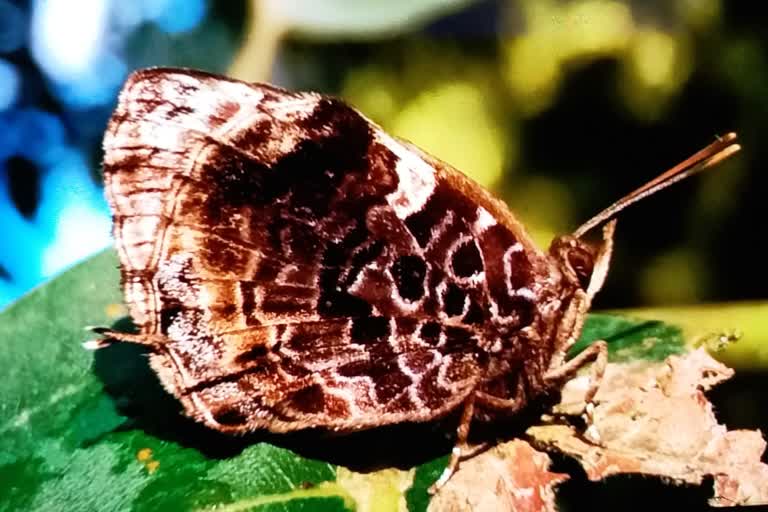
(334, 19)
(561, 107)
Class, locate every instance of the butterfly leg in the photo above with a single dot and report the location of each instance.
(461, 448)
(505, 405)
(150, 340)
(596, 353)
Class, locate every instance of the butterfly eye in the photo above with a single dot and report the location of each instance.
(581, 259)
(576, 258)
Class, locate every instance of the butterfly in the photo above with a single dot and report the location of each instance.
(289, 265)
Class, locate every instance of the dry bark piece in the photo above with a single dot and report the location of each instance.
(654, 419)
(511, 476)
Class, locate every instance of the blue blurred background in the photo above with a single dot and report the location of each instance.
(558, 106)
(62, 63)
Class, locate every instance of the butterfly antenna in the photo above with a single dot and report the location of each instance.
(711, 155)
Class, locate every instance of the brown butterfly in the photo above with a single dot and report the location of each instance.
(290, 265)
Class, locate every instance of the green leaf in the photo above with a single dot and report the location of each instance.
(737, 330)
(630, 339)
(83, 430)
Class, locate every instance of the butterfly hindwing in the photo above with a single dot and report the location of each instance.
(346, 374)
(302, 267)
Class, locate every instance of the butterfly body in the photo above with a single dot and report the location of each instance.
(292, 266)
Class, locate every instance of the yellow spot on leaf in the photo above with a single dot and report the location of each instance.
(144, 455)
(559, 34)
(532, 71)
(727, 321)
(116, 310)
(152, 466)
(700, 14)
(657, 66)
(595, 27)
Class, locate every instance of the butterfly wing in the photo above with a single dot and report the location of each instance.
(293, 266)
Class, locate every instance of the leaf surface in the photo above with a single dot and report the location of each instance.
(653, 418)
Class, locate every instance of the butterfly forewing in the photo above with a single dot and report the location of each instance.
(296, 267)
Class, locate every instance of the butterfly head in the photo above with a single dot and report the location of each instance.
(583, 267)
(584, 263)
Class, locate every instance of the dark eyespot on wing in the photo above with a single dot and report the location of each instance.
(370, 329)
(430, 332)
(466, 260)
(475, 314)
(248, 290)
(355, 369)
(444, 199)
(454, 299)
(309, 399)
(409, 272)
(168, 315)
(460, 339)
(334, 300)
(364, 255)
(230, 416)
(254, 353)
(314, 399)
(521, 271)
(390, 383)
